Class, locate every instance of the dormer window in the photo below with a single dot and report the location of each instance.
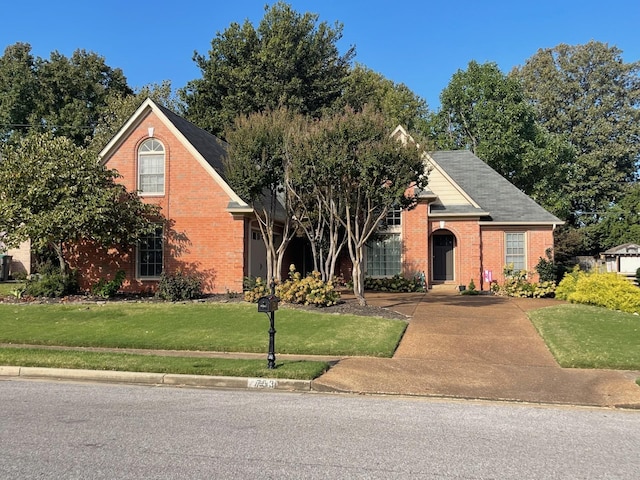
(151, 167)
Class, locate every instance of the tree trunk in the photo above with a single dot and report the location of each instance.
(57, 248)
(358, 282)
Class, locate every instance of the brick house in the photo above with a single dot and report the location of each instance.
(467, 225)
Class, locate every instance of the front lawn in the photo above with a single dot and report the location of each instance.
(197, 326)
(33, 357)
(582, 336)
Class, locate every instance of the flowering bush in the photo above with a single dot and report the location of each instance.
(255, 288)
(311, 290)
(517, 284)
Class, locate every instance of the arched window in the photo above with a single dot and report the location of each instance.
(151, 167)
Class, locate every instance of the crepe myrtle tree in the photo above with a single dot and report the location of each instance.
(363, 172)
(55, 193)
(255, 166)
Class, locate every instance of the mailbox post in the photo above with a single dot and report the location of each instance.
(269, 304)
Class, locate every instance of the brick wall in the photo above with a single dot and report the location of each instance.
(201, 237)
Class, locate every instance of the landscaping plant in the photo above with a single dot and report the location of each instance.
(608, 290)
(108, 288)
(179, 286)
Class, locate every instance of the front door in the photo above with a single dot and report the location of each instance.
(443, 257)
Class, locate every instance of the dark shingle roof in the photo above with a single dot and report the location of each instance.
(212, 149)
(490, 190)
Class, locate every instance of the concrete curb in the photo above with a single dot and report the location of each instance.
(204, 381)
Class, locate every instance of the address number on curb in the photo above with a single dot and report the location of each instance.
(262, 383)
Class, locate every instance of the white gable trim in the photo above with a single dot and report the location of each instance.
(433, 164)
(140, 114)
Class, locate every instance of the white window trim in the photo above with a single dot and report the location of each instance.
(164, 168)
(524, 248)
(138, 264)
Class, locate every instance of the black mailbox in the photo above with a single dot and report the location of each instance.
(268, 304)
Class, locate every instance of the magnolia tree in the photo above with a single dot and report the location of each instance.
(55, 193)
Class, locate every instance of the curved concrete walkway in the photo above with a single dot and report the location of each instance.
(480, 347)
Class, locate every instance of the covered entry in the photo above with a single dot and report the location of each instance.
(443, 247)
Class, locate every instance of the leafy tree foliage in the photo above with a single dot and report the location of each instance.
(397, 102)
(53, 192)
(290, 61)
(255, 167)
(60, 95)
(587, 94)
(486, 112)
(18, 89)
(363, 172)
(621, 223)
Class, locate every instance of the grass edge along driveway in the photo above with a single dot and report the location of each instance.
(584, 336)
(197, 326)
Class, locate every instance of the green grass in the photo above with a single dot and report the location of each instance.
(25, 357)
(6, 289)
(582, 336)
(199, 326)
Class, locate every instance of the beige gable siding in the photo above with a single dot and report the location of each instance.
(447, 193)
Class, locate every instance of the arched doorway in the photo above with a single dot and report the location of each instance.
(443, 245)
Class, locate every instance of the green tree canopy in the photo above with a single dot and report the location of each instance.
(54, 193)
(362, 171)
(59, 95)
(621, 223)
(396, 101)
(487, 112)
(289, 61)
(18, 89)
(590, 96)
(255, 167)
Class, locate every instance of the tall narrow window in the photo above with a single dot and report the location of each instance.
(150, 255)
(151, 167)
(515, 250)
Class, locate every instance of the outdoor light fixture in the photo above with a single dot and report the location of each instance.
(269, 304)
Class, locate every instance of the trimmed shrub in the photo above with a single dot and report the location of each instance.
(397, 283)
(568, 283)
(108, 289)
(471, 289)
(608, 290)
(179, 287)
(547, 270)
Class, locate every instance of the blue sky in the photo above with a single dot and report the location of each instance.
(420, 43)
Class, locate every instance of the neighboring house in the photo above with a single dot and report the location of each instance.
(20, 259)
(623, 259)
(468, 224)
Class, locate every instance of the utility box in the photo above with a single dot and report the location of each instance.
(268, 304)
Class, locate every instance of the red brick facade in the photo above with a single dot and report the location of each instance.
(479, 249)
(200, 237)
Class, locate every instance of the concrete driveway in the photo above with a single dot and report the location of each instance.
(476, 347)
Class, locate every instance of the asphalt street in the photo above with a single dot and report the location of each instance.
(100, 431)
